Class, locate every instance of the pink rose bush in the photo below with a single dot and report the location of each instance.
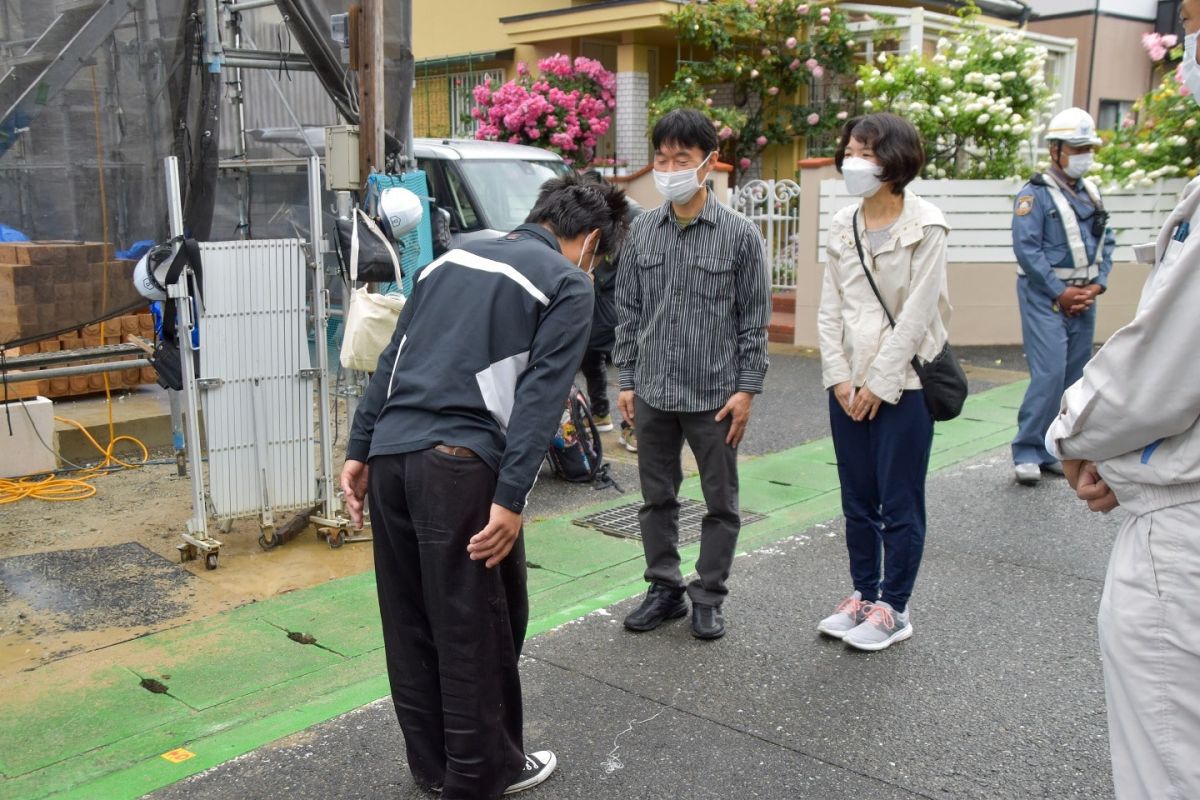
(566, 109)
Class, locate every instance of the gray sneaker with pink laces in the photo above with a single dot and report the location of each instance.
(882, 627)
(848, 615)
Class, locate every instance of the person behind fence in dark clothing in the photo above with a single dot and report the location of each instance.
(447, 442)
(604, 323)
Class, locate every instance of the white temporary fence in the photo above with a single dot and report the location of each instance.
(980, 215)
(774, 205)
(254, 364)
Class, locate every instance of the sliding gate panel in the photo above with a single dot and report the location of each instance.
(257, 378)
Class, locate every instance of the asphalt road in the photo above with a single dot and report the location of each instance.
(997, 695)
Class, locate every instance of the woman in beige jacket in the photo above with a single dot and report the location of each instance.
(882, 430)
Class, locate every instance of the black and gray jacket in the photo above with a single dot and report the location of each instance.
(482, 357)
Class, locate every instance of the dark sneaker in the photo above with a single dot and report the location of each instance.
(661, 604)
(707, 622)
(538, 767)
(628, 437)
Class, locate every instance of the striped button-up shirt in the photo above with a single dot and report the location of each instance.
(693, 306)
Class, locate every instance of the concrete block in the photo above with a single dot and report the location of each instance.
(22, 452)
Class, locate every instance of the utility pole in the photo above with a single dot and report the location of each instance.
(366, 21)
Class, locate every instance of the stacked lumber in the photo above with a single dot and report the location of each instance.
(49, 286)
(113, 331)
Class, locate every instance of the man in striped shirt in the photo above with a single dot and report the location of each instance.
(693, 304)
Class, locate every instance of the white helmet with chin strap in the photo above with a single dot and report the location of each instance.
(1073, 126)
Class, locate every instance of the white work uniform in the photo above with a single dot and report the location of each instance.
(1135, 413)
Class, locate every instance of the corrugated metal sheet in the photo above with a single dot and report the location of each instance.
(263, 106)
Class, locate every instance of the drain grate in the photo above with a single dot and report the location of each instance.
(623, 520)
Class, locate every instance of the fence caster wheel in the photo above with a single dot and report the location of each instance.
(267, 540)
(338, 539)
(210, 561)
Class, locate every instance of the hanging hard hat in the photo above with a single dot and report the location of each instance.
(1073, 126)
(150, 270)
(401, 210)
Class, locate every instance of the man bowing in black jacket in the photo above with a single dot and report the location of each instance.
(447, 442)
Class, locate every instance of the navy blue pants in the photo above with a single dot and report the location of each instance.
(882, 465)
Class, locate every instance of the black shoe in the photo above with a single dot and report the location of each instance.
(707, 622)
(661, 604)
(538, 767)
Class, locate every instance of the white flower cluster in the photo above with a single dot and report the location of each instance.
(982, 93)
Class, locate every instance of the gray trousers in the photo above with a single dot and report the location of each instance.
(1150, 640)
(660, 437)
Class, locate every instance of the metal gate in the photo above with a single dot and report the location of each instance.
(774, 205)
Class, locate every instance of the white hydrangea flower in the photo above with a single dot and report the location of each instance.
(982, 119)
(955, 65)
(889, 78)
(946, 83)
(882, 58)
(860, 83)
(997, 55)
(1191, 123)
(963, 51)
(939, 59)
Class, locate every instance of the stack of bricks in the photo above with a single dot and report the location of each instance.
(49, 286)
(115, 331)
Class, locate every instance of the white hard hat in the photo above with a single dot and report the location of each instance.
(1073, 126)
(401, 211)
(148, 274)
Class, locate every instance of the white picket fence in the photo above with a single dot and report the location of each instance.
(980, 216)
(774, 205)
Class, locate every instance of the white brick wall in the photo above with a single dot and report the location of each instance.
(632, 117)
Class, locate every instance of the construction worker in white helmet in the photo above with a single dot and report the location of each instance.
(1064, 253)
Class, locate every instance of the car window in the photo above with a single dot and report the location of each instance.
(507, 189)
(458, 201)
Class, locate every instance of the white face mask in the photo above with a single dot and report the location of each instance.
(591, 261)
(1078, 165)
(681, 185)
(1191, 70)
(861, 176)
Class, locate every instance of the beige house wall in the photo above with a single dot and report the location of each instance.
(1111, 65)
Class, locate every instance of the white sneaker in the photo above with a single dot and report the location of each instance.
(538, 767)
(849, 614)
(882, 628)
(604, 423)
(1028, 474)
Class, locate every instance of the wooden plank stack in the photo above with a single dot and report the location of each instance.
(48, 286)
(115, 331)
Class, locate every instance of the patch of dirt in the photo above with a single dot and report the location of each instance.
(150, 507)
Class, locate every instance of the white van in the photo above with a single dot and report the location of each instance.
(487, 188)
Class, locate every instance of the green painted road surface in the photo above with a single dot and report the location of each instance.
(236, 681)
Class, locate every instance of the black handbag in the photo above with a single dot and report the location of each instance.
(942, 377)
(374, 252)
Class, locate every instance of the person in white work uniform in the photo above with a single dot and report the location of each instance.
(1128, 434)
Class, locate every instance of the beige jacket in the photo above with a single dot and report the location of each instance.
(857, 343)
(1135, 410)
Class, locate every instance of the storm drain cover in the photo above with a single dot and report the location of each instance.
(623, 520)
(97, 587)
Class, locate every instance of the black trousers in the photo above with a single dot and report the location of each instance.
(452, 628)
(661, 435)
(595, 372)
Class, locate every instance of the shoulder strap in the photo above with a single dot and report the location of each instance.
(862, 260)
(916, 360)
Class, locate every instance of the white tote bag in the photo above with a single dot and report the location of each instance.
(370, 317)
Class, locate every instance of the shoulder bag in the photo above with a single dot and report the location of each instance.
(370, 317)
(942, 378)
